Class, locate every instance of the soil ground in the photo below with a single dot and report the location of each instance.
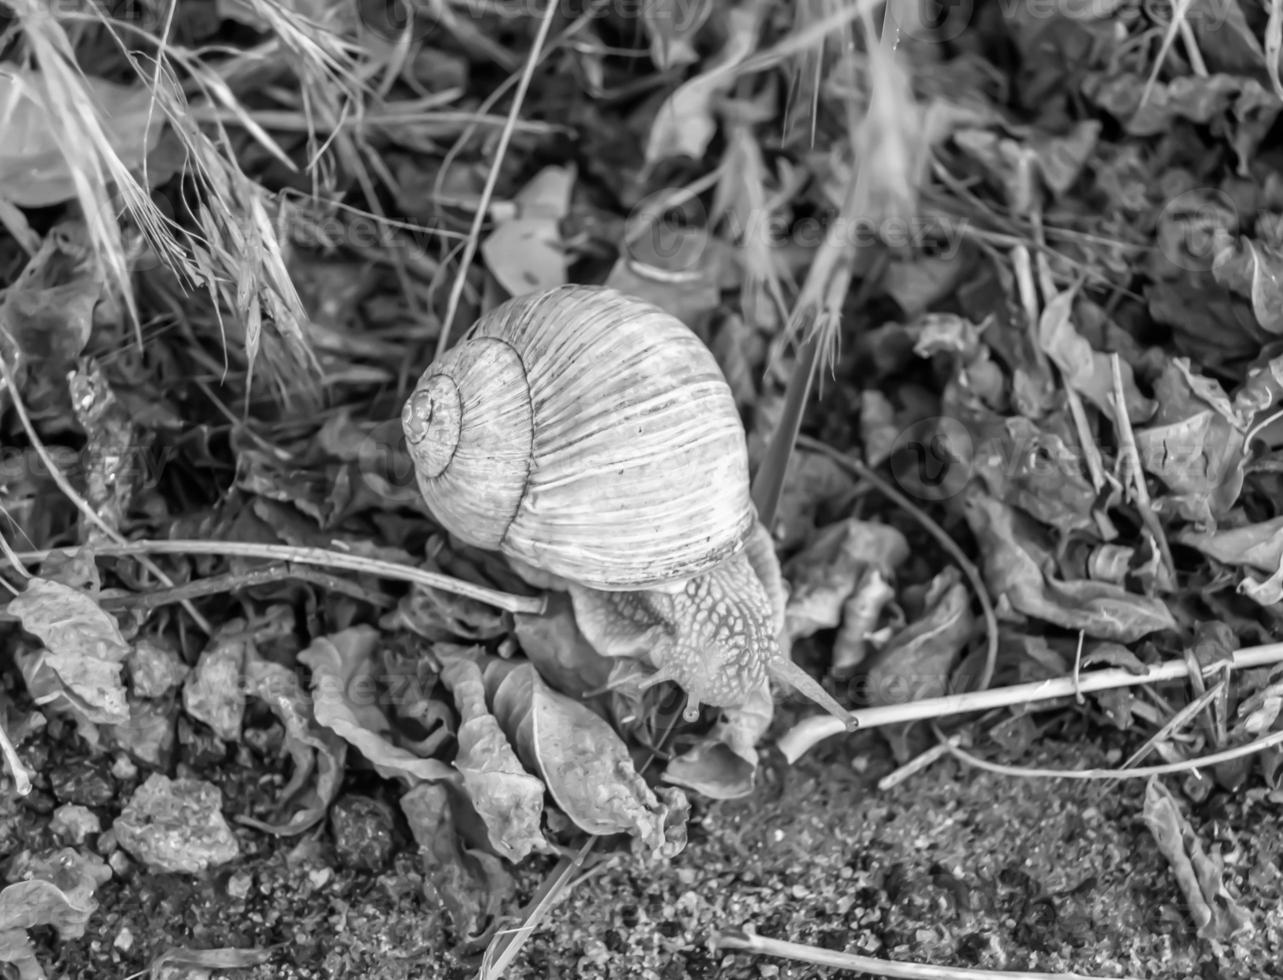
(954, 866)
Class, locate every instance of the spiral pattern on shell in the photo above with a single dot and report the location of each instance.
(587, 433)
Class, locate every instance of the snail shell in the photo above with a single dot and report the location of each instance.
(586, 433)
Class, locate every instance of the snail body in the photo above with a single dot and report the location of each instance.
(592, 439)
(718, 637)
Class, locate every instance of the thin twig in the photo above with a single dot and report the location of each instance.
(478, 219)
(811, 731)
(81, 504)
(871, 965)
(918, 763)
(320, 556)
(1128, 441)
(7, 550)
(1177, 721)
(1166, 769)
(235, 581)
(21, 778)
(499, 955)
(1091, 452)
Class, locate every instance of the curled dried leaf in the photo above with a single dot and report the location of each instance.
(84, 650)
(469, 884)
(213, 693)
(1216, 913)
(915, 664)
(313, 749)
(723, 764)
(583, 762)
(346, 695)
(828, 570)
(507, 798)
(1014, 570)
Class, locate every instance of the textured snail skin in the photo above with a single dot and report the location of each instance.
(718, 637)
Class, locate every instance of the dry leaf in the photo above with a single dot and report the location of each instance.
(214, 693)
(507, 798)
(1195, 444)
(722, 765)
(583, 762)
(1086, 370)
(1014, 574)
(824, 574)
(469, 884)
(671, 26)
(34, 171)
(1215, 912)
(1036, 470)
(684, 125)
(1257, 546)
(525, 253)
(313, 749)
(83, 648)
(559, 651)
(915, 663)
(54, 889)
(1254, 270)
(860, 614)
(345, 695)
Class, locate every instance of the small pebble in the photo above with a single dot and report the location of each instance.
(176, 825)
(239, 884)
(155, 668)
(72, 823)
(362, 829)
(124, 940)
(120, 864)
(123, 768)
(85, 782)
(320, 877)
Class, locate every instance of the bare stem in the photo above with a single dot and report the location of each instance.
(811, 731)
(321, 556)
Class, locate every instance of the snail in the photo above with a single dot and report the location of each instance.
(591, 438)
